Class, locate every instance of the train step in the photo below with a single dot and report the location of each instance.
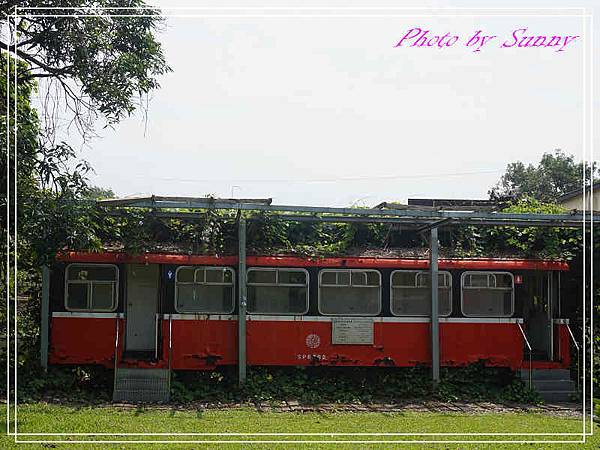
(134, 385)
(558, 396)
(139, 355)
(546, 374)
(553, 385)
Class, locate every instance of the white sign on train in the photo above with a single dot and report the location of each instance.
(352, 331)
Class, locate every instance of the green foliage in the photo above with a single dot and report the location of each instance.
(101, 65)
(480, 383)
(536, 188)
(50, 181)
(215, 232)
(357, 385)
(540, 242)
(596, 344)
(111, 59)
(98, 193)
(305, 385)
(555, 175)
(73, 384)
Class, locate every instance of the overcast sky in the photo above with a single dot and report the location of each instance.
(327, 111)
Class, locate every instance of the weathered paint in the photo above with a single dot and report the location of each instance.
(203, 344)
(500, 344)
(206, 342)
(83, 340)
(309, 343)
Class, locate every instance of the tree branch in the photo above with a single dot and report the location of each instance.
(21, 54)
(36, 36)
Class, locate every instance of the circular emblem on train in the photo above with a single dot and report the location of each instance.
(313, 341)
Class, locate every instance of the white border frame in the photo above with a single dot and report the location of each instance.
(196, 268)
(277, 284)
(417, 272)
(334, 286)
(578, 12)
(115, 302)
(471, 272)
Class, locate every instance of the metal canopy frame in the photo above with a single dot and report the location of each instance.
(421, 215)
(423, 218)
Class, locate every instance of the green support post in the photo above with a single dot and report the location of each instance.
(242, 300)
(435, 319)
(45, 317)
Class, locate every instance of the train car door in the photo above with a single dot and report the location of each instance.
(142, 304)
(537, 314)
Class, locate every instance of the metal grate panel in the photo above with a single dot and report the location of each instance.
(141, 385)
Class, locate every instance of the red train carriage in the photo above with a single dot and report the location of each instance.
(180, 312)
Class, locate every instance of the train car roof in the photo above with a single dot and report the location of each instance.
(368, 258)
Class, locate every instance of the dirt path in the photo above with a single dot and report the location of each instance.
(557, 410)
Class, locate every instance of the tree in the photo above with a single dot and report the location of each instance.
(96, 66)
(98, 193)
(95, 63)
(556, 174)
(536, 189)
(99, 66)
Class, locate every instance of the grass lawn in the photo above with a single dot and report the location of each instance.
(49, 418)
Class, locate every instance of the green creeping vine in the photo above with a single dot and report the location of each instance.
(305, 385)
(353, 385)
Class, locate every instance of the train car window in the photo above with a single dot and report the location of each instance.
(204, 290)
(185, 274)
(487, 294)
(335, 278)
(262, 276)
(410, 293)
(349, 292)
(91, 287)
(277, 291)
(480, 280)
